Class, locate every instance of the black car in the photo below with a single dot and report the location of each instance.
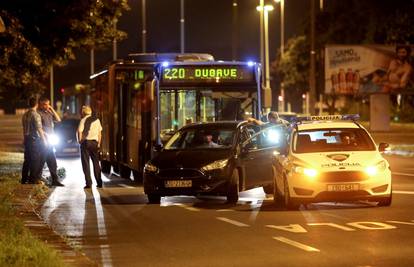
(217, 158)
(65, 141)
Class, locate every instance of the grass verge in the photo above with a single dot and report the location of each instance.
(18, 247)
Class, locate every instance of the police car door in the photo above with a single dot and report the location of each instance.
(257, 158)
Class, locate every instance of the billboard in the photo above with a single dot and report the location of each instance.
(367, 69)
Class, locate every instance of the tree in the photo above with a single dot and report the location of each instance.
(44, 32)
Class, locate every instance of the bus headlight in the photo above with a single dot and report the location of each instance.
(53, 139)
(373, 170)
(218, 164)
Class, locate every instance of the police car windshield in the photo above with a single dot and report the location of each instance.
(201, 138)
(328, 140)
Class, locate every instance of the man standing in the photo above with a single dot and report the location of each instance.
(34, 140)
(272, 118)
(49, 117)
(89, 136)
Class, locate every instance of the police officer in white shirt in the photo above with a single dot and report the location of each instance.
(89, 136)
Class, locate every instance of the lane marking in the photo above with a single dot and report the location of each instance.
(403, 192)
(187, 207)
(403, 174)
(296, 244)
(372, 225)
(399, 222)
(236, 223)
(293, 228)
(332, 225)
(224, 210)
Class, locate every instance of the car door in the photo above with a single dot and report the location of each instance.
(281, 161)
(257, 158)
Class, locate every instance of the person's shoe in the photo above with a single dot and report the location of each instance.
(99, 186)
(57, 183)
(86, 187)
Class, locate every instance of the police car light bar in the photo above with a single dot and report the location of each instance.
(347, 117)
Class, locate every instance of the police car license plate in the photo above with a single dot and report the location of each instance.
(343, 187)
(178, 183)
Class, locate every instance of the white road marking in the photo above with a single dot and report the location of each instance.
(239, 224)
(184, 206)
(403, 192)
(296, 244)
(332, 225)
(293, 228)
(403, 173)
(399, 222)
(372, 225)
(224, 210)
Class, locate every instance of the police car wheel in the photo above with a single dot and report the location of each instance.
(385, 202)
(154, 198)
(277, 196)
(233, 188)
(288, 202)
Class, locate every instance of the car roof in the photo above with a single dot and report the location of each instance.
(314, 125)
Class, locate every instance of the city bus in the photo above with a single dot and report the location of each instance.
(143, 99)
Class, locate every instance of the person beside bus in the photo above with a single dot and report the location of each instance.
(49, 117)
(89, 136)
(34, 140)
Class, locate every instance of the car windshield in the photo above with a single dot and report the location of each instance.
(328, 140)
(201, 138)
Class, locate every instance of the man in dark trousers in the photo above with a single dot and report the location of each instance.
(49, 118)
(89, 136)
(34, 140)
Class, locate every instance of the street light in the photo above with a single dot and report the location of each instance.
(265, 43)
(282, 47)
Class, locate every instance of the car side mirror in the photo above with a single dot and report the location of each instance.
(158, 147)
(383, 146)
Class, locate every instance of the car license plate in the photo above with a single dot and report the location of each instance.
(343, 187)
(70, 150)
(178, 183)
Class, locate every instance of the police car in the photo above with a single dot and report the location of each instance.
(331, 158)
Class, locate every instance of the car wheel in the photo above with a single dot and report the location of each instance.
(105, 166)
(385, 201)
(115, 168)
(125, 172)
(153, 198)
(288, 202)
(233, 188)
(137, 176)
(277, 196)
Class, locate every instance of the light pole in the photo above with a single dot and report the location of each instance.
(144, 26)
(182, 28)
(267, 90)
(282, 48)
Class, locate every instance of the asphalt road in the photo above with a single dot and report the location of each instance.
(116, 227)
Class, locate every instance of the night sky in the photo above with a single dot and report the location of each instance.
(208, 29)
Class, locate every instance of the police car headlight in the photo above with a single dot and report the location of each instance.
(218, 164)
(373, 170)
(308, 172)
(150, 168)
(53, 139)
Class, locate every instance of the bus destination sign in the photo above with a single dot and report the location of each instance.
(207, 74)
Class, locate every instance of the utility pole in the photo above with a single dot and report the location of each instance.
(114, 47)
(235, 31)
(144, 26)
(182, 23)
(312, 72)
(92, 61)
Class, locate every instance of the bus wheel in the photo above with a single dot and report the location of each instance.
(105, 166)
(125, 172)
(154, 198)
(137, 176)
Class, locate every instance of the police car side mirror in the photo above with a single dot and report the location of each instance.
(383, 146)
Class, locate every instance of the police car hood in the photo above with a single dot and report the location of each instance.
(338, 161)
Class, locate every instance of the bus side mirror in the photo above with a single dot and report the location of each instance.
(383, 146)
